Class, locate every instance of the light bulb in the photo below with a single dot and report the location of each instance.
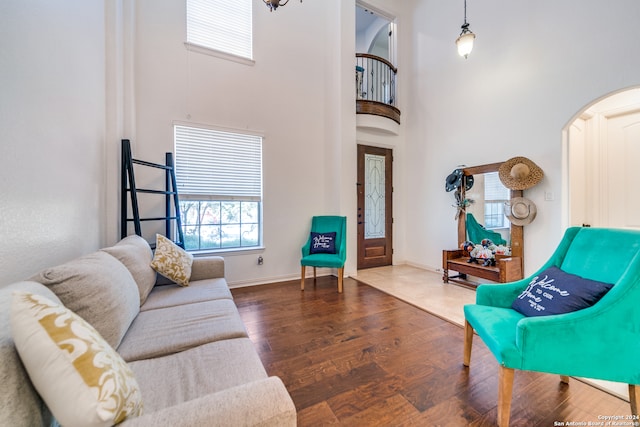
(465, 43)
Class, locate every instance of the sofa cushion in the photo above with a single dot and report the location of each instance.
(169, 330)
(81, 378)
(200, 291)
(98, 288)
(198, 371)
(21, 404)
(135, 253)
(172, 261)
(268, 401)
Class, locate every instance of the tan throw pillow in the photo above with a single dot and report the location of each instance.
(98, 288)
(135, 253)
(172, 261)
(82, 379)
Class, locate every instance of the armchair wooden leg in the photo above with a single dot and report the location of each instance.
(314, 275)
(468, 341)
(302, 279)
(505, 390)
(564, 379)
(340, 277)
(634, 398)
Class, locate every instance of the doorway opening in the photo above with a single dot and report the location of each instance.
(375, 32)
(601, 146)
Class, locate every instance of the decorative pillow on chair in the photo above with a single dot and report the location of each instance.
(80, 377)
(554, 291)
(172, 261)
(323, 243)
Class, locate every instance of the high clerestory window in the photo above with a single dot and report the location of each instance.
(219, 177)
(226, 29)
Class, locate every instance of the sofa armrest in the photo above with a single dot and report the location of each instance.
(264, 402)
(210, 267)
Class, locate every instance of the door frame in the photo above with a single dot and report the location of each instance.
(375, 258)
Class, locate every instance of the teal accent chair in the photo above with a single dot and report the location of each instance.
(326, 224)
(599, 342)
(476, 232)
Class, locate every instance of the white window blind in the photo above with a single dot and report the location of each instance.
(217, 165)
(224, 27)
(493, 187)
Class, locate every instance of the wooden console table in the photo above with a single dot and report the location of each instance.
(507, 268)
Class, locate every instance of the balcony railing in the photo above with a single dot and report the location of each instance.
(376, 87)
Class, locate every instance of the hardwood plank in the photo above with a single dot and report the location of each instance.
(363, 357)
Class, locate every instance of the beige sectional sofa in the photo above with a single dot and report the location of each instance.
(187, 346)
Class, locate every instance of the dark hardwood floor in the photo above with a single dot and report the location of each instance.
(364, 358)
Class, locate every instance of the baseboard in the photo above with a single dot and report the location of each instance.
(275, 279)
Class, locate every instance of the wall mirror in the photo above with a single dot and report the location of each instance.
(487, 209)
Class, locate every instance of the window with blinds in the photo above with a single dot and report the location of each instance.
(219, 179)
(495, 194)
(225, 28)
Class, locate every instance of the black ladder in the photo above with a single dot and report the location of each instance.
(128, 185)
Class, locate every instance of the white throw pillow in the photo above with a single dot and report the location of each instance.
(80, 377)
(172, 261)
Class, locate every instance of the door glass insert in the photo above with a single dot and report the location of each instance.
(374, 200)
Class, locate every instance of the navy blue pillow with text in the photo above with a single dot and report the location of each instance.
(323, 243)
(554, 291)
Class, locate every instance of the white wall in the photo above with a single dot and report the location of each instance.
(52, 124)
(524, 81)
(294, 95)
(521, 85)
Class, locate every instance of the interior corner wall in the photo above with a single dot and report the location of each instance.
(523, 82)
(52, 125)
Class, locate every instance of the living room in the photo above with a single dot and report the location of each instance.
(79, 76)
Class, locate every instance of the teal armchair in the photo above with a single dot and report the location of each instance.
(476, 232)
(599, 342)
(326, 224)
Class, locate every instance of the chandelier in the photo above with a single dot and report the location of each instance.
(465, 40)
(273, 4)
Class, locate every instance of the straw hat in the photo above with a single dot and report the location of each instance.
(520, 211)
(519, 173)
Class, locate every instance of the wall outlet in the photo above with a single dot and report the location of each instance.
(548, 196)
(260, 260)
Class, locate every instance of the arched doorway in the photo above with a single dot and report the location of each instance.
(601, 149)
(601, 152)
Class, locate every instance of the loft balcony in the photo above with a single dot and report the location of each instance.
(376, 93)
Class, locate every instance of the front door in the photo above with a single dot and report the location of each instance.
(374, 206)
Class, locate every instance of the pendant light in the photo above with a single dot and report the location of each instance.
(466, 38)
(273, 4)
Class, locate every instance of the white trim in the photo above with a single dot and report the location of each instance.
(246, 250)
(220, 128)
(192, 47)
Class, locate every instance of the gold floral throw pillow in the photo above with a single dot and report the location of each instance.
(80, 377)
(172, 261)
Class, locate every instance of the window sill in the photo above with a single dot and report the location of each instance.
(228, 252)
(219, 54)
